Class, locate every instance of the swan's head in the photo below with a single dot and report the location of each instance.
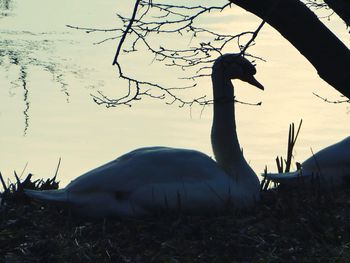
(235, 66)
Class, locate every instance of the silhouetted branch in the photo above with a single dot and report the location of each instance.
(346, 100)
(132, 19)
(316, 4)
(156, 20)
(340, 7)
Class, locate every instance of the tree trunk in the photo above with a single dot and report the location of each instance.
(295, 22)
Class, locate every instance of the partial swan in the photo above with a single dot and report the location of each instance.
(328, 168)
(155, 179)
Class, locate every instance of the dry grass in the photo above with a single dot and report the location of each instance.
(292, 225)
(287, 226)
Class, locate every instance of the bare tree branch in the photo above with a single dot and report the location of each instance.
(332, 101)
(340, 7)
(156, 20)
(132, 19)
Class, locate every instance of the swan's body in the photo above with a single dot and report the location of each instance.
(154, 179)
(329, 167)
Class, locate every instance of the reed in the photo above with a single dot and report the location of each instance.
(284, 164)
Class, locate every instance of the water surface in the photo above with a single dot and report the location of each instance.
(48, 72)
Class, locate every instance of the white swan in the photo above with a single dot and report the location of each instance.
(328, 168)
(149, 180)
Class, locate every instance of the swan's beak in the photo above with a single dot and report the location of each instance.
(251, 80)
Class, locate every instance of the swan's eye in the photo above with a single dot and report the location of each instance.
(250, 70)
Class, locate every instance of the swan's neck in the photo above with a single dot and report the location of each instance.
(224, 139)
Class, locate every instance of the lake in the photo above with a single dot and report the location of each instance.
(49, 71)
